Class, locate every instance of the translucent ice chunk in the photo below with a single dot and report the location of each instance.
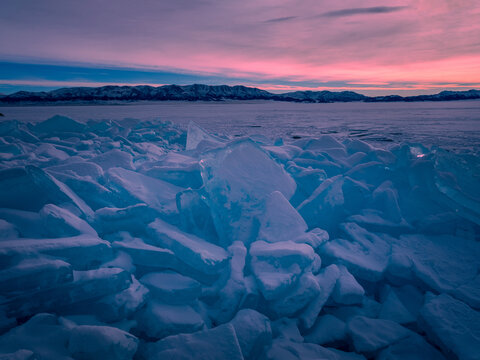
(190, 249)
(176, 168)
(114, 158)
(133, 219)
(323, 142)
(469, 293)
(413, 347)
(7, 230)
(452, 325)
(159, 320)
(124, 304)
(326, 280)
(385, 198)
(368, 308)
(43, 334)
(89, 342)
(325, 206)
(283, 153)
(30, 188)
(34, 274)
(19, 355)
(369, 335)
(50, 153)
(366, 255)
(327, 329)
(283, 253)
(289, 350)
(306, 290)
(195, 214)
(83, 251)
(442, 263)
(253, 332)
(214, 344)
(147, 255)
(231, 296)
(58, 124)
(62, 223)
(196, 135)
(401, 305)
(172, 287)
(237, 179)
(79, 169)
(158, 194)
(280, 221)
(347, 290)
(278, 265)
(86, 286)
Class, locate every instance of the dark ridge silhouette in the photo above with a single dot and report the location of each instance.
(198, 92)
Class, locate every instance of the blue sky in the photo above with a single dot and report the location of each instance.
(16, 76)
(40, 77)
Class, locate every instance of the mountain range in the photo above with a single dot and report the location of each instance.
(199, 92)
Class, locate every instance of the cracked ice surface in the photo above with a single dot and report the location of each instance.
(122, 240)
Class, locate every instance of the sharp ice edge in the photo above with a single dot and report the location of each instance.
(124, 239)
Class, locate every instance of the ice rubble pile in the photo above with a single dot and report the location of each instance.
(118, 241)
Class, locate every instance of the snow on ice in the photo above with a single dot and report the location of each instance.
(129, 239)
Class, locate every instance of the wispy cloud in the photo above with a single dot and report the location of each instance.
(363, 11)
(281, 19)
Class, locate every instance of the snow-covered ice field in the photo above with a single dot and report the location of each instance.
(259, 231)
(451, 124)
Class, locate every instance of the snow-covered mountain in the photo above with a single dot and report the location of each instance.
(129, 93)
(441, 96)
(323, 96)
(199, 92)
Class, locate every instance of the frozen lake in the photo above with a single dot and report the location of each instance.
(451, 125)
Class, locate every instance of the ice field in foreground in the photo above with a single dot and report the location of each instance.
(138, 240)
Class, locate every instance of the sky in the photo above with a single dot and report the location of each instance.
(372, 47)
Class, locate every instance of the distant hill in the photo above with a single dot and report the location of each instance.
(198, 92)
(441, 96)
